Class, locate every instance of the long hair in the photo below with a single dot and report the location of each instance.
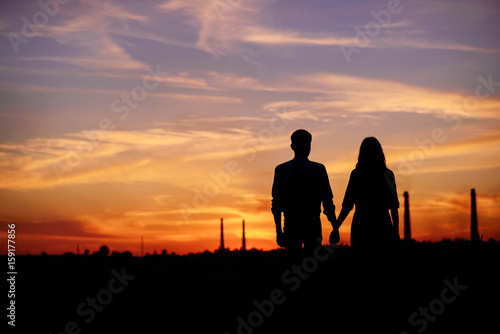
(371, 156)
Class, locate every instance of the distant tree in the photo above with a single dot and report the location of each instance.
(127, 254)
(104, 250)
(86, 252)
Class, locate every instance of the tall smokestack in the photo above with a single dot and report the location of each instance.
(474, 233)
(221, 234)
(243, 241)
(407, 217)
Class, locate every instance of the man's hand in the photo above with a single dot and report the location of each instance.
(334, 237)
(280, 239)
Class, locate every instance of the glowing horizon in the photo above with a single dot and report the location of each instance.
(121, 120)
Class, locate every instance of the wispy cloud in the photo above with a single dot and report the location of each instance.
(229, 79)
(262, 35)
(340, 93)
(226, 36)
(27, 89)
(88, 34)
(435, 45)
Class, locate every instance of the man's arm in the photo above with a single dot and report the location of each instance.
(343, 215)
(327, 198)
(277, 222)
(329, 207)
(276, 208)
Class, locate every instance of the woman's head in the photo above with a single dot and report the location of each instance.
(371, 156)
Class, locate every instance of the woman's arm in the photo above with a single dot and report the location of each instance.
(395, 219)
(342, 216)
(349, 199)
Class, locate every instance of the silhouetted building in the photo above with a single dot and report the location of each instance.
(221, 234)
(407, 230)
(243, 241)
(474, 233)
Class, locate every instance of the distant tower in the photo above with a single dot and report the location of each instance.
(474, 233)
(243, 241)
(221, 234)
(407, 217)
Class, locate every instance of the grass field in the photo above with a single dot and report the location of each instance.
(444, 287)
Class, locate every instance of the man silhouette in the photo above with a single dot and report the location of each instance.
(299, 188)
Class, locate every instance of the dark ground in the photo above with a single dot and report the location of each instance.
(215, 293)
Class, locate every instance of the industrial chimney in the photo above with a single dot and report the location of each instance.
(407, 217)
(474, 233)
(243, 241)
(221, 234)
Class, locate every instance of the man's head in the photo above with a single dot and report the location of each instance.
(301, 142)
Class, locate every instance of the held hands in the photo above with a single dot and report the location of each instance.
(334, 237)
(280, 238)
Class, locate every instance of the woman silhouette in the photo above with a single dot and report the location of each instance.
(374, 236)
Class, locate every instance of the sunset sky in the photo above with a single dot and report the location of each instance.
(122, 119)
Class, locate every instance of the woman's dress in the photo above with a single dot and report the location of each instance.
(373, 237)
